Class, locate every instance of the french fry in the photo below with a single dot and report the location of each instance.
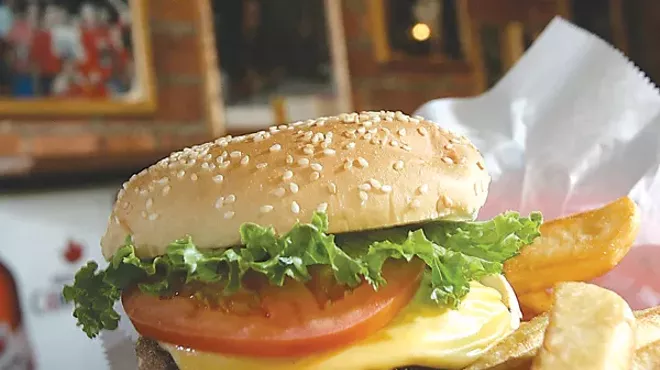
(647, 357)
(575, 248)
(535, 303)
(589, 327)
(515, 351)
(648, 326)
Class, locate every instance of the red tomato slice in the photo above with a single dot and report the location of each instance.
(282, 321)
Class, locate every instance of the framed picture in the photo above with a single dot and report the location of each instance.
(75, 57)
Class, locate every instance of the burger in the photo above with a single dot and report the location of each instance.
(344, 242)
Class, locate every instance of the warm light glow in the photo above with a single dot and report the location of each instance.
(421, 32)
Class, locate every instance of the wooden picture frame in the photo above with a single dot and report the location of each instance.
(142, 100)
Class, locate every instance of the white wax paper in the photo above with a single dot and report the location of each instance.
(571, 126)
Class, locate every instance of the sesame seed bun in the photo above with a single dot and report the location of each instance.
(366, 170)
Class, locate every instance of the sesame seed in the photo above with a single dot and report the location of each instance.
(367, 136)
(322, 207)
(266, 208)
(231, 198)
(316, 167)
(219, 159)
(262, 165)
(402, 132)
(218, 179)
(415, 203)
(314, 176)
(414, 120)
(447, 160)
(279, 192)
(293, 187)
(423, 189)
(308, 150)
(205, 166)
(166, 190)
(350, 145)
(288, 174)
(153, 216)
(362, 162)
(115, 219)
(303, 162)
(149, 203)
(386, 188)
(245, 160)
(329, 152)
(454, 140)
(446, 201)
(398, 165)
(229, 214)
(289, 159)
(208, 157)
(224, 164)
(348, 164)
(422, 131)
(143, 214)
(480, 165)
(406, 147)
(193, 177)
(363, 195)
(235, 154)
(180, 174)
(332, 188)
(295, 208)
(373, 131)
(361, 130)
(275, 148)
(364, 187)
(190, 163)
(375, 183)
(449, 146)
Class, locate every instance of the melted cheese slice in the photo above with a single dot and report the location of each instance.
(421, 334)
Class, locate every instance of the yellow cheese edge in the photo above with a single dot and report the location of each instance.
(421, 334)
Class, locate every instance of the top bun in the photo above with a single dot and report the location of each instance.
(366, 170)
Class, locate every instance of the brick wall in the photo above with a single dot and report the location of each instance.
(184, 55)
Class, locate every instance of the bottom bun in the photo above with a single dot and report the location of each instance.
(152, 357)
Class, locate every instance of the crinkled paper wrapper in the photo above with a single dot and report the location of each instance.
(573, 125)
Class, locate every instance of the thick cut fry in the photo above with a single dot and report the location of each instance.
(648, 326)
(647, 357)
(535, 303)
(576, 248)
(589, 328)
(515, 351)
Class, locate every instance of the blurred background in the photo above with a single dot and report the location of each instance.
(92, 91)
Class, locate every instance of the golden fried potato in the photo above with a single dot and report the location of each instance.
(575, 248)
(515, 351)
(647, 357)
(589, 328)
(648, 326)
(535, 303)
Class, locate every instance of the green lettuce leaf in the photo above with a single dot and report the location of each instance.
(455, 253)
